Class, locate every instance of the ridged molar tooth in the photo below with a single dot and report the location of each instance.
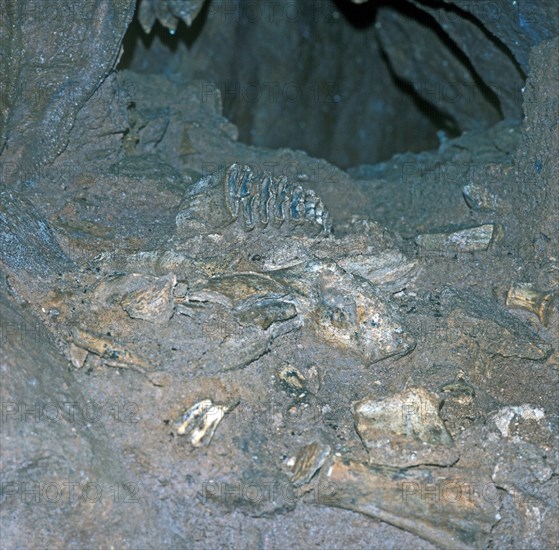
(218, 200)
(239, 182)
(267, 197)
(231, 178)
(281, 198)
(326, 221)
(244, 185)
(286, 202)
(297, 206)
(248, 215)
(310, 206)
(249, 197)
(319, 211)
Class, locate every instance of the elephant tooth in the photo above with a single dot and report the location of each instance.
(237, 194)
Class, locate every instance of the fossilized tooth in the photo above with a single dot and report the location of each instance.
(404, 430)
(299, 385)
(468, 239)
(168, 12)
(200, 422)
(308, 461)
(292, 379)
(347, 311)
(525, 296)
(153, 301)
(450, 507)
(113, 353)
(237, 194)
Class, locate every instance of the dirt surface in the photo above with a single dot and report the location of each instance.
(210, 344)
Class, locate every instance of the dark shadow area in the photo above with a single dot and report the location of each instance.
(413, 12)
(360, 16)
(316, 78)
(460, 12)
(445, 123)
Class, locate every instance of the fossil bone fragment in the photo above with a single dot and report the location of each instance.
(77, 355)
(113, 353)
(525, 296)
(478, 197)
(404, 430)
(153, 301)
(255, 299)
(450, 507)
(495, 330)
(347, 311)
(467, 239)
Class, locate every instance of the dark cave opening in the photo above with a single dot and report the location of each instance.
(324, 76)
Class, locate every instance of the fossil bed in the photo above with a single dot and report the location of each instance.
(193, 354)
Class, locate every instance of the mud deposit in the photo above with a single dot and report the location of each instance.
(279, 274)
